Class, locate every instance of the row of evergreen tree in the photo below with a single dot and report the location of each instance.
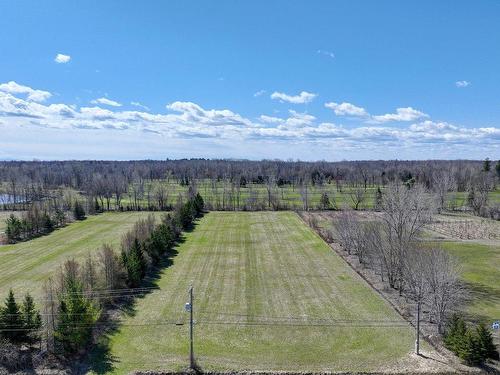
(40, 219)
(142, 248)
(146, 244)
(474, 345)
(19, 322)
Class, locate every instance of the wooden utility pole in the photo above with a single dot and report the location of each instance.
(417, 339)
(191, 349)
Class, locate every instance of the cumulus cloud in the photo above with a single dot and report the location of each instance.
(31, 94)
(188, 120)
(346, 109)
(62, 59)
(106, 101)
(259, 93)
(462, 83)
(402, 114)
(302, 98)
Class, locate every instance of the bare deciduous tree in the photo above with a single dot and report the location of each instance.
(444, 286)
(405, 211)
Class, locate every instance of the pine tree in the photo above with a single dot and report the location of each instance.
(486, 345)
(486, 165)
(76, 317)
(470, 350)
(78, 211)
(199, 204)
(455, 333)
(135, 264)
(11, 320)
(378, 198)
(325, 201)
(31, 318)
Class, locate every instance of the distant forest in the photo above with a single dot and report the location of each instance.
(244, 184)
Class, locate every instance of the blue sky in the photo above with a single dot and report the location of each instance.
(304, 80)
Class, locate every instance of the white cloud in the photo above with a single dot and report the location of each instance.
(462, 83)
(62, 59)
(346, 109)
(302, 98)
(217, 127)
(139, 105)
(402, 114)
(271, 119)
(106, 101)
(32, 94)
(326, 53)
(259, 93)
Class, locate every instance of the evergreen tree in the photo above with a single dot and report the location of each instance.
(199, 204)
(48, 224)
(497, 169)
(325, 201)
(486, 345)
(31, 318)
(470, 350)
(486, 165)
(76, 317)
(14, 229)
(134, 264)
(11, 320)
(78, 211)
(455, 333)
(378, 198)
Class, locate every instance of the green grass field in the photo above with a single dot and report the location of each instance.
(269, 295)
(24, 266)
(221, 194)
(480, 270)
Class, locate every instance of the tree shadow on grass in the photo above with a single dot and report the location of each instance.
(99, 359)
(485, 294)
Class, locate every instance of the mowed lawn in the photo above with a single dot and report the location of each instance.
(269, 295)
(480, 266)
(26, 265)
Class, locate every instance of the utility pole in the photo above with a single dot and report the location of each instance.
(191, 349)
(417, 339)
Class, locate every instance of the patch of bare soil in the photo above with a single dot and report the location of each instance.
(465, 227)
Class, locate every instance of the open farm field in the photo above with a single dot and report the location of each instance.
(25, 265)
(269, 295)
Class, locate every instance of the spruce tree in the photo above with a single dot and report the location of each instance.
(455, 333)
(78, 211)
(31, 319)
(486, 345)
(76, 317)
(11, 320)
(30, 315)
(325, 201)
(135, 264)
(486, 165)
(470, 350)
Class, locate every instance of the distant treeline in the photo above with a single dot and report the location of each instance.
(134, 185)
